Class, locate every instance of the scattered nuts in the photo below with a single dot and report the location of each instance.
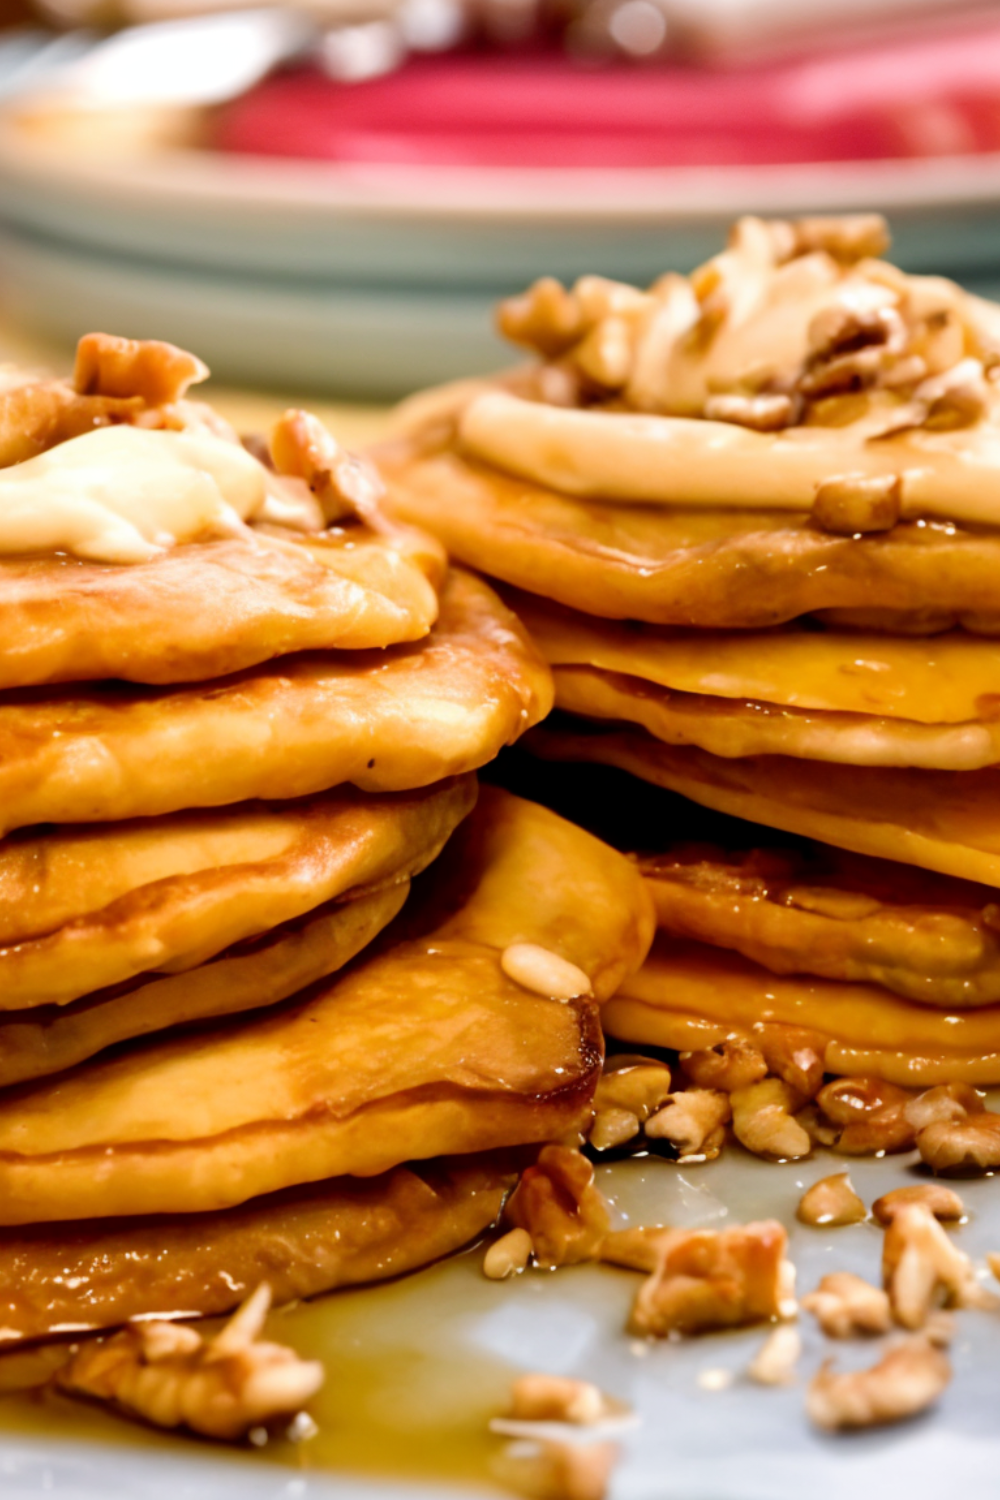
(763, 1120)
(713, 1279)
(548, 1470)
(543, 972)
(941, 1201)
(558, 1204)
(831, 1201)
(689, 1119)
(970, 1145)
(845, 1305)
(854, 503)
(775, 1361)
(170, 1375)
(556, 1398)
(733, 1064)
(904, 1382)
(921, 1268)
(508, 1255)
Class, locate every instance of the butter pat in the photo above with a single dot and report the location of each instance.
(125, 494)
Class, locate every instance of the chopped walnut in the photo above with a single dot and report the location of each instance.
(636, 1249)
(171, 1376)
(613, 1127)
(559, 1205)
(159, 374)
(302, 448)
(604, 355)
(639, 1085)
(763, 1120)
(904, 1382)
(543, 972)
(845, 1305)
(733, 1064)
(691, 1120)
(969, 1145)
(842, 329)
(941, 1201)
(557, 1398)
(817, 1127)
(831, 1201)
(708, 1278)
(546, 317)
(872, 1114)
(795, 1054)
(508, 1255)
(549, 1470)
(761, 413)
(922, 1268)
(847, 237)
(775, 1361)
(948, 1101)
(852, 504)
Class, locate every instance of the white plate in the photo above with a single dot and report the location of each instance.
(418, 1367)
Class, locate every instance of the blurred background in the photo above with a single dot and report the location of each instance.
(330, 197)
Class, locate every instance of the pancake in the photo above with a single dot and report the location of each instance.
(925, 937)
(215, 607)
(309, 1240)
(948, 821)
(716, 568)
(689, 996)
(384, 722)
(252, 974)
(424, 1048)
(84, 908)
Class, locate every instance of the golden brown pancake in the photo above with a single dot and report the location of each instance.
(255, 973)
(210, 608)
(85, 908)
(838, 916)
(305, 1241)
(691, 996)
(383, 721)
(425, 1048)
(947, 821)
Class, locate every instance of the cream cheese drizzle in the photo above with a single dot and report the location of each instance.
(634, 458)
(125, 494)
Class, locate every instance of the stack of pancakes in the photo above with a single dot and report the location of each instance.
(751, 518)
(223, 762)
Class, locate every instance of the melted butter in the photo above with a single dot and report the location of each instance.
(124, 494)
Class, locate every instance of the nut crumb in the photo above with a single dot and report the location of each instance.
(849, 504)
(775, 1361)
(543, 972)
(907, 1380)
(557, 1398)
(845, 1305)
(831, 1201)
(221, 1387)
(508, 1255)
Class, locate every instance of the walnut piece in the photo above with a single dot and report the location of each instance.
(923, 1269)
(831, 1201)
(692, 1121)
(508, 1255)
(904, 1382)
(613, 1127)
(302, 448)
(549, 1470)
(557, 1398)
(761, 413)
(847, 237)
(948, 1101)
(872, 1114)
(851, 504)
(636, 1249)
(795, 1054)
(171, 1376)
(845, 1305)
(941, 1201)
(639, 1085)
(969, 1145)
(775, 1361)
(543, 972)
(708, 1278)
(733, 1064)
(159, 374)
(558, 1204)
(763, 1120)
